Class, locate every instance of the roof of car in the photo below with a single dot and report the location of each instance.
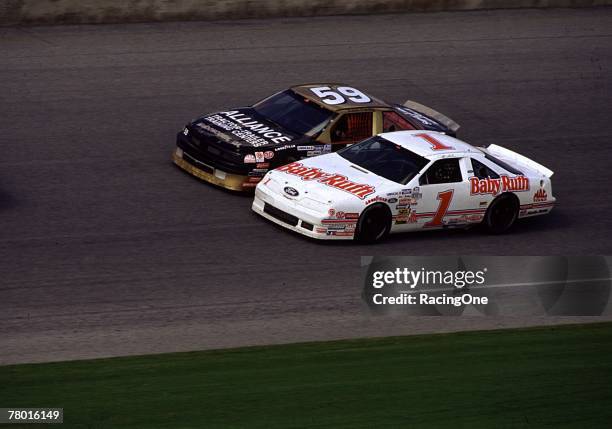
(305, 90)
(429, 143)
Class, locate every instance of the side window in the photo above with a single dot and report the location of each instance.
(442, 171)
(502, 164)
(482, 171)
(352, 127)
(394, 122)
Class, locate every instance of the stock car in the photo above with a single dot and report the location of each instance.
(234, 149)
(404, 181)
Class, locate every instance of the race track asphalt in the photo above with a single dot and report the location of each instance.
(107, 249)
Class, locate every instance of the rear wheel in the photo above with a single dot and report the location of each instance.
(374, 224)
(502, 214)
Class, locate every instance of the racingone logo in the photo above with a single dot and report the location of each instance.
(333, 180)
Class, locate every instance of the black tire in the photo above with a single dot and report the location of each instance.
(501, 214)
(374, 224)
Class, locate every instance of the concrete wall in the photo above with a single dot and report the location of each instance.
(15, 12)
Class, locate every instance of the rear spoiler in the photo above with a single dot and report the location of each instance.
(444, 120)
(519, 159)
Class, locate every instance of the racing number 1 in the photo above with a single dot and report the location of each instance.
(434, 142)
(445, 199)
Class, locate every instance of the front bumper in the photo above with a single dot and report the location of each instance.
(290, 215)
(233, 182)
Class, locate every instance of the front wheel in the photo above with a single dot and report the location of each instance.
(374, 224)
(501, 214)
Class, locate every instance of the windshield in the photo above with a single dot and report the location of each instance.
(293, 112)
(385, 159)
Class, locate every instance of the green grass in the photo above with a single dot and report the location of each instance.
(554, 377)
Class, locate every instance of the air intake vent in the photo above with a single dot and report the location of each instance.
(280, 215)
(307, 226)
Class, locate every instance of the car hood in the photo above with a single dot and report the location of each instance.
(243, 127)
(329, 179)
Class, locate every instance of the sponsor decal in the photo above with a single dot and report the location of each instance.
(474, 217)
(249, 185)
(495, 186)
(247, 128)
(407, 201)
(453, 221)
(392, 200)
(469, 218)
(268, 154)
(405, 216)
(263, 165)
(284, 147)
(341, 233)
(416, 115)
(537, 205)
(206, 128)
(333, 180)
(376, 199)
(259, 157)
(531, 212)
(336, 227)
(249, 159)
(291, 191)
(300, 148)
(313, 153)
(255, 179)
(340, 215)
(540, 195)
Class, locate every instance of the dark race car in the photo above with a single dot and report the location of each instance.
(236, 148)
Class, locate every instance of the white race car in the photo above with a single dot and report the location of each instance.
(404, 181)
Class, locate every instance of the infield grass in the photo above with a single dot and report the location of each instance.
(558, 377)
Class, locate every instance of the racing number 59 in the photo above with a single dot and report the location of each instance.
(328, 96)
(445, 199)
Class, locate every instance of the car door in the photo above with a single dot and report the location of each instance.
(443, 195)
